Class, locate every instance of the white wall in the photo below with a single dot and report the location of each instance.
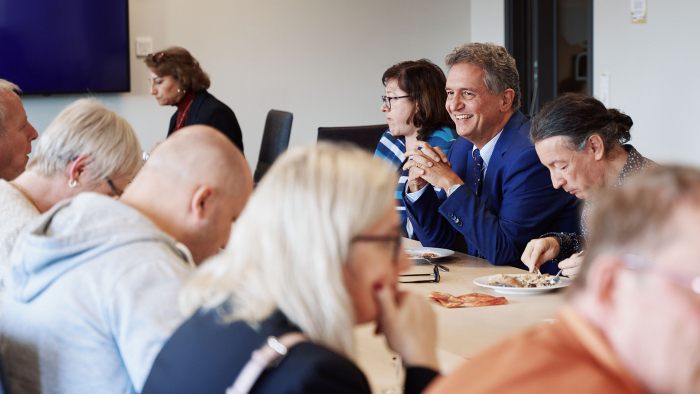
(488, 21)
(654, 74)
(322, 60)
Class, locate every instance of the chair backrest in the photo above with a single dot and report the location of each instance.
(278, 128)
(366, 137)
(4, 378)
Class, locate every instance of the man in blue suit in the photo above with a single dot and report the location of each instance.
(496, 195)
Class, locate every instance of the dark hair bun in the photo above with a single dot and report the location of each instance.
(623, 124)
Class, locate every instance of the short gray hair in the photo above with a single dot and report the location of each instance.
(6, 87)
(288, 253)
(87, 127)
(499, 68)
(639, 216)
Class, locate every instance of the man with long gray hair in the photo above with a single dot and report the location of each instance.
(496, 195)
(16, 133)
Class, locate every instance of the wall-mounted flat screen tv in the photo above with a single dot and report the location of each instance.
(65, 46)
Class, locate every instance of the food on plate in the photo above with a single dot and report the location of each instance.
(524, 280)
(418, 255)
(467, 300)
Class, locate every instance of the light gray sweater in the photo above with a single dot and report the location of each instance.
(90, 298)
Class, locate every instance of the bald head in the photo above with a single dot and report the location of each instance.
(194, 185)
(198, 155)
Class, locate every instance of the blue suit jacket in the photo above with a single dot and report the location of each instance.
(517, 204)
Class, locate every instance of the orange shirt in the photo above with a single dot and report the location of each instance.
(568, 356)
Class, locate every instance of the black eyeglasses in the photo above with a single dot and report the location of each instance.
(395, 239)
(435, 275)
(117, 193)
(387, 100)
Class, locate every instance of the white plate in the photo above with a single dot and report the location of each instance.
(415, 252)
(484, 282)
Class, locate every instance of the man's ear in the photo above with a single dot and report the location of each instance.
(202, 201)
(601, 282)
(507, 98)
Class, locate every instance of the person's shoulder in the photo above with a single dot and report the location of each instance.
(211, 104)
(15, 207)
(311, 367)
(533, 359)
(445, 133)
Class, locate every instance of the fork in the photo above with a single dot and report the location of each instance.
(555, 280)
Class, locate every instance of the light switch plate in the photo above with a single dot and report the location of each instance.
(144, 46)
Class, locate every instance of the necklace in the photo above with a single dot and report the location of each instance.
(26, 194)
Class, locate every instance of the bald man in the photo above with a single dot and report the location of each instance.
(92, 293)
(16, 133)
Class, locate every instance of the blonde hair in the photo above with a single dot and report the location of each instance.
(292, 240)
(6, 87)
(86, 127)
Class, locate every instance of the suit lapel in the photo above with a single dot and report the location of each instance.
(193, 115)
(504, 141)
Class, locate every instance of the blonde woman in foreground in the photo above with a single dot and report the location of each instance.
(317, 250)
(85, 148)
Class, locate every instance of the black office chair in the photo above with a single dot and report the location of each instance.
(278, 128)
(4, 378)
(366, 137)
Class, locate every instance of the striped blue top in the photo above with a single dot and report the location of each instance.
(393, 148)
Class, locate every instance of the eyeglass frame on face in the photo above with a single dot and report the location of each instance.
(116, 191)
(640, 263)
(387, 100)
(395, 239)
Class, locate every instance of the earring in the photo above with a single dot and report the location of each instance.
(72, 183)
(182, 91)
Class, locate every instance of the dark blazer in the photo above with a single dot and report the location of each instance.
(206, 109)
(205, 355)
(518, 202)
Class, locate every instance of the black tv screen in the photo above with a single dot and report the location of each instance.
(65, 46)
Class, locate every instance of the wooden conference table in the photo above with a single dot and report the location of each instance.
(462, 332)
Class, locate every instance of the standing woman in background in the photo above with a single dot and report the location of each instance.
(414, 104)
(178, 80)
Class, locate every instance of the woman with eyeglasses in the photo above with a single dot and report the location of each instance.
(414, 104)
(86, 148)
(310, 267)
(177, 80)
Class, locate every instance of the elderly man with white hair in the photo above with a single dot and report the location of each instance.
(16, 133)
(91, 295)
(632, 323)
